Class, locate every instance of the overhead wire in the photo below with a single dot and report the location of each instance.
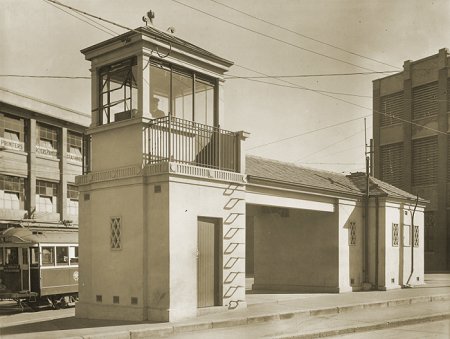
(310, 89)
(257, 72)
(94, 16)
(302, 35)
(106, 30)
(45, 76)
(271, 37)
(305, 133)
(330, 145)
(350, 102)
(228, 77)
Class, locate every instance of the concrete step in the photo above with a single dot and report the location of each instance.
(313, 317)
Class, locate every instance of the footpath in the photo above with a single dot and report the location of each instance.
(268, 315)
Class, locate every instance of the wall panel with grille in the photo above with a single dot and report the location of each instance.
(392, 164)
(425, 161)
(392, 107)
(425, 101)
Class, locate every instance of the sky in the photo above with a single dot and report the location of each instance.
(286, 122)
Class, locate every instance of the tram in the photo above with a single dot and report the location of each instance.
(39, 265)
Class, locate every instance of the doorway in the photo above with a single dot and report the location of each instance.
(209, 245)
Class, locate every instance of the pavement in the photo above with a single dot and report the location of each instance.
(273, 315)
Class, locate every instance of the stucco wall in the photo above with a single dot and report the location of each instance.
(297, 253)
(350, 248)
(108, 272)
(119, 144)
(397, 258)
(188, 200)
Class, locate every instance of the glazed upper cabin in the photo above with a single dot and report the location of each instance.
(168, 93)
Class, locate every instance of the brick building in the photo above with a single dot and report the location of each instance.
(414, 156)
(40, 155)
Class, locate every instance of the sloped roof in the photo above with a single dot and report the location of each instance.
(289, 173)
(303, 176)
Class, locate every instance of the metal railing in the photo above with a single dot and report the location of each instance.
(188, 142)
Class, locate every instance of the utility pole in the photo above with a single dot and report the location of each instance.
(366, 211)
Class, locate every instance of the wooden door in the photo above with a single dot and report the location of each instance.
(207, 263)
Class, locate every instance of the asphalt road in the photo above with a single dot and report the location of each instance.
(436, 329)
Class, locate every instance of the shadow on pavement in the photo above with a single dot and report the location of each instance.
(61, 324)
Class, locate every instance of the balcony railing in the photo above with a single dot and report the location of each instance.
(183, 141)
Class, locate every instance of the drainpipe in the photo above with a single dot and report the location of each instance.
(412, 242)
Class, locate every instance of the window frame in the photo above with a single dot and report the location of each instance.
(194, 78)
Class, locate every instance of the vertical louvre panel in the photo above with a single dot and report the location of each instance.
(392, 164)
(448, 94)
(424, 162)
(392, 107)
(425, 101)
(448, 168)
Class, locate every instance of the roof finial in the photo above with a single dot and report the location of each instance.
(149, 18)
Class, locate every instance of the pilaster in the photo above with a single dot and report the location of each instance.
(31, 186)
(407, 128)
(376, 128)
(62, 191)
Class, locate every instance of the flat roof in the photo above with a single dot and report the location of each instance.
(40, 106)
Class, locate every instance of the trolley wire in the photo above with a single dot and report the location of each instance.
(302, 35)
(271, 37)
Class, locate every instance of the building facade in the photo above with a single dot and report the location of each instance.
(40, 155)
(174, 216)
(411, 146)
(317, 231)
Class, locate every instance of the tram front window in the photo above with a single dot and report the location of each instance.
(34, 256)
(12, 256)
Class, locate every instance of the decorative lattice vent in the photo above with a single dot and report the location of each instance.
(116, 233)
(395, 235)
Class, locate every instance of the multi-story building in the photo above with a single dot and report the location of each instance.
(41, 148)
(410, 131)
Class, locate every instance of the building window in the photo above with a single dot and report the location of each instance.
(391, 158)
(72, 200)
(429, 221)
(11, 132)
(395, 235)
(118, 91)
(352, 234)
(46, 196)
(416, 236)
(74, 146)
(425, 100)
(424, 161)
(116, 233)
(47, 140)
(185, 94)
(392, 109)
(406, 235)
(12, 192)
